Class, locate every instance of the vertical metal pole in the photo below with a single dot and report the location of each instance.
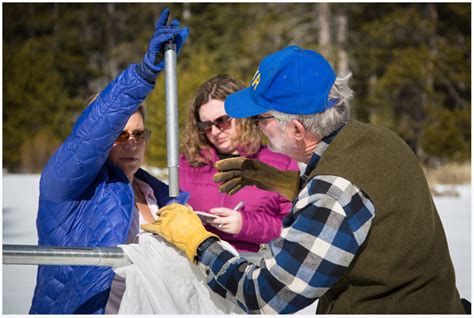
(172, 128)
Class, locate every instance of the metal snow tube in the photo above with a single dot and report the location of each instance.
(60, 255)
(172, 126)
(78, 256)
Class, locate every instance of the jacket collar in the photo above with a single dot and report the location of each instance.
(317, 154)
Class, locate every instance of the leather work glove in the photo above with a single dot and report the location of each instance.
(180, 226)
(153, 62)
(235, 173)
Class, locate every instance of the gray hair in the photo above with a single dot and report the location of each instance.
(322, 124)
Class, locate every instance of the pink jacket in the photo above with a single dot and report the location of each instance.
(263, 211)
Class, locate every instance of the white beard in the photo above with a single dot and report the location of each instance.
(276, 146)
(282, 145)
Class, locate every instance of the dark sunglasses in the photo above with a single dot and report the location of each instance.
(221, 123)
(138, 135)
(258, 119)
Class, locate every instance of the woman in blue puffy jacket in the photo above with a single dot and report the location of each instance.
(93, 192)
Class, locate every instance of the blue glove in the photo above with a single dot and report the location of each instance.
(153, 62)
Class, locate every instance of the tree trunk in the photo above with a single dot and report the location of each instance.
(112, 64)
(433, 21)
(427, 94)
(372, 83)
(56, 22)
(186, 12)
(324, 29)
(342, 56)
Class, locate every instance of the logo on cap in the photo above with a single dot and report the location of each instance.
(255, 80)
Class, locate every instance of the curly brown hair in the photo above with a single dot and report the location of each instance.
(195, 144)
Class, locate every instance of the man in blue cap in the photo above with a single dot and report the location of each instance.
(363, 235)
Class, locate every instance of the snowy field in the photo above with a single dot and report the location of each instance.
(20, 201)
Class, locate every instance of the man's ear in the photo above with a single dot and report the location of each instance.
(298, 129)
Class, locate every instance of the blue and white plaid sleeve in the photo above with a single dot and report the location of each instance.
(320, 237)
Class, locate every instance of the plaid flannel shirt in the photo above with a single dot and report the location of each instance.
(329, 221)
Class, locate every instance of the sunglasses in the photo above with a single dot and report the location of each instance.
(221, 123)
(138, 135)
(258, 119)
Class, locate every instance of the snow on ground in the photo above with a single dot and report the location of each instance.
(455, 213)
(20, 202)
(20, 205)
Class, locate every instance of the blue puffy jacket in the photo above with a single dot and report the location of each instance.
(86, 201)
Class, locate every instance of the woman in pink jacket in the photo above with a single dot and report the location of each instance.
(211, 135)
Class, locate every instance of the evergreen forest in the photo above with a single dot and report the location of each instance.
(411, 65)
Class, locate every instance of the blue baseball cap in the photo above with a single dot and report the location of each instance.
(291, 81)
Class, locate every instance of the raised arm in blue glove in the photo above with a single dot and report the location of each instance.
(153, 61)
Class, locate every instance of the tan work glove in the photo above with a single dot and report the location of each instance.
(235, 173)
(180, 226)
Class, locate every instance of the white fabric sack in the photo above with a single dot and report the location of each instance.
(161, 280)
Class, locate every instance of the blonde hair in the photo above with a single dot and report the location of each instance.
(196, 147)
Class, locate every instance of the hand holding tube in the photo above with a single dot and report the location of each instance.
(153, 61)
(180, 226)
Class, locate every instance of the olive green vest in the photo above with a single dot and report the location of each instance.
(404, 265)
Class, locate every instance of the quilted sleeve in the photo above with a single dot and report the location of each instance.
(78, 160)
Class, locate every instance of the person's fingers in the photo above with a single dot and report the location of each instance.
(174, 23)
(218, 225)
(162, 213)
(231, 186)
(166, 35)
(225, 176)
(163, 18)
(149, 227)
(221, 211)
(224, 219)
(229, 164)
(235, 189)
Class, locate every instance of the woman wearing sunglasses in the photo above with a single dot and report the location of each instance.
(93, 192)
(211, 135)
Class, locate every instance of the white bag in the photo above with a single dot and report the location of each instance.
(161, 280)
